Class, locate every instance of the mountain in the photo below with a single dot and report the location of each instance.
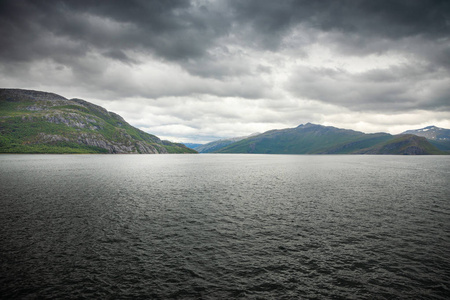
(40, 122)
(217, 145)
(440, 137)
(192, 145)
(431, 133)
(408, 144)
(318, 139)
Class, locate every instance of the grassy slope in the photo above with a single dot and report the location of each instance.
(362, 142)
(21, 128)
(405, 144)
(441, 145)
(213, 146)
(301, 140)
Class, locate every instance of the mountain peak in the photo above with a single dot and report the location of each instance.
(432, 127)
(308, 125)
(32, 95)
(432, 133)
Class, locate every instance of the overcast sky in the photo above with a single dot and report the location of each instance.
(197, 71)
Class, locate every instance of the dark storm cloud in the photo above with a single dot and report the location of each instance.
(393, 19)
(119, 55)
(206, 38)
(173, 30)
(178, 29)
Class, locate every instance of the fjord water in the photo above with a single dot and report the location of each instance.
(224, 227)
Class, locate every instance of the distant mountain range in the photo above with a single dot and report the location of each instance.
(317, 139)
(440, 137)
(192, 145)
(40, 122)
(219, 144)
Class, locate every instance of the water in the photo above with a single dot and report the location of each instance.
(224, 227)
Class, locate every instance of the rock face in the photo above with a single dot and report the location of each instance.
(40, 122)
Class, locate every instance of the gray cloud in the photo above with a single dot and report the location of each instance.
(173, 30)
(182, 30)
(393, 19)
(262, 54)
(393, 89)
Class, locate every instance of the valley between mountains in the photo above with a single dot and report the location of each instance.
(41, 122)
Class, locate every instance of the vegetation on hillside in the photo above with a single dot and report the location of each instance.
(317, 139)
(39, 122)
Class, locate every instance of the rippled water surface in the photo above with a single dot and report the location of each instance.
(224, 227)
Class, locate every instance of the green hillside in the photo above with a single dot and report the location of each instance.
(403, 144)
(40, 122)
(219, 144)
(439, 137)
(317, 139)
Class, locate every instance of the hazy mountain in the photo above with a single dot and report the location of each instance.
(431, 133)
(318, 139)
(40, 122)
(192, 145)
(219, 144)
(440, 137)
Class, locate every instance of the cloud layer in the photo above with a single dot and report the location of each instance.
(203, 70)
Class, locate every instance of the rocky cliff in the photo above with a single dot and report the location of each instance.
(40, 122)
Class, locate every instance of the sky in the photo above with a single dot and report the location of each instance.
(202, 70)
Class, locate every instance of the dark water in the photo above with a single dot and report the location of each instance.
(224, 227)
